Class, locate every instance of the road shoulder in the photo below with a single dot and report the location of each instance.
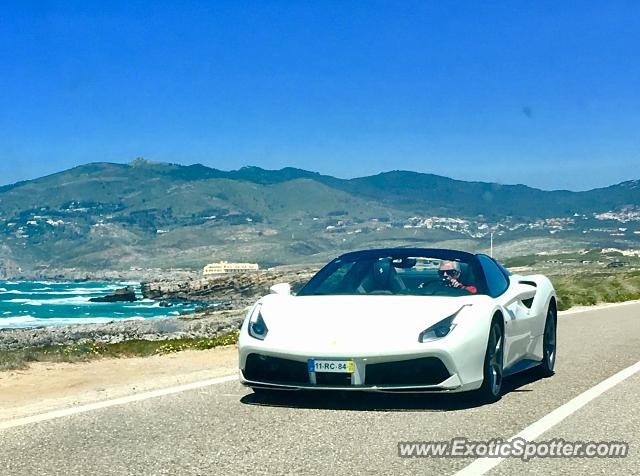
(48, 386)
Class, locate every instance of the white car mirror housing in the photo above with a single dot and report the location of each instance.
(283, 289)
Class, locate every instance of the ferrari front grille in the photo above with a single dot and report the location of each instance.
(331, 379)
(263, 368)
(423, 371)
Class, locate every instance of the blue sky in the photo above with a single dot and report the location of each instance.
(541, 93)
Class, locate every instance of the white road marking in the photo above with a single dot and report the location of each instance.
(597, 307)
(483, 465)
(117, 401)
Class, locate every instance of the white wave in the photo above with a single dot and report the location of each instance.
(91, 290)
(74, 292)
(62, 290)
(82, 291)
(29, 302)
(60, 293)
(71, 300)
(143, 306)
(44, 283)
(16, 322)
(40, 302)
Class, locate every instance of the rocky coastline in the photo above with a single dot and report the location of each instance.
(202, 325)
(235, 292)
(126, 294)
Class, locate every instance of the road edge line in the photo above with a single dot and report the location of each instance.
(4, 425)
(597, 307)
(482, 465)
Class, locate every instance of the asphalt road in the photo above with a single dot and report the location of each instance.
(225, 429)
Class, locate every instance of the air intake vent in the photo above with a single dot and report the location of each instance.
(262, 368)
(424, 371)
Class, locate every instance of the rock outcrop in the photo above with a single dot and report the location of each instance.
(127, 294)
(235, 291)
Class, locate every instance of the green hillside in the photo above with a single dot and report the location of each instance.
(144, 214)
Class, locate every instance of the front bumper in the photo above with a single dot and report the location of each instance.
(401, 373)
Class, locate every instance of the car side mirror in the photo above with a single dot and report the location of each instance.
(283, 289)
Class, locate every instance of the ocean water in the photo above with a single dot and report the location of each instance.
(43, 303)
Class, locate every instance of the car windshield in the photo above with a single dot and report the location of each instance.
(395, 275)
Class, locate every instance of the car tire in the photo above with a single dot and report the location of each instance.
(491, 388)
(549, 344)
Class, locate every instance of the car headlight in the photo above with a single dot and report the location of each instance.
(441, 328)
(257, 327)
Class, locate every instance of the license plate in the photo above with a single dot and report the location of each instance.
(334, 366)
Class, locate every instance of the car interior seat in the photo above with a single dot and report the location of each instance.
(385, 278)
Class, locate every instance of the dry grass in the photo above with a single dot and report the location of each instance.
(16, 359)
(596, 287)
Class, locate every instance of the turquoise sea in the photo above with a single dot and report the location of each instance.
(44, 303)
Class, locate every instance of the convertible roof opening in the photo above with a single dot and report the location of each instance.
(403, 271)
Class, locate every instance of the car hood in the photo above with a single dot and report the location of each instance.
(354, 322)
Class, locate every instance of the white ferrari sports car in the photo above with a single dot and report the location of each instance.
(401, 320)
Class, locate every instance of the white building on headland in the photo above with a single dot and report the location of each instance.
(224, 267)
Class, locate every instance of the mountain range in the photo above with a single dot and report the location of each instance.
(141, 215)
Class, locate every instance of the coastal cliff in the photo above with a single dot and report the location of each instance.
(208, 324)
(235, 291)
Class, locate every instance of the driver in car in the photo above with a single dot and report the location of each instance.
(449, 272)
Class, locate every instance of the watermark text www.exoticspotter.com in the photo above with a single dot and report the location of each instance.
(514, 448)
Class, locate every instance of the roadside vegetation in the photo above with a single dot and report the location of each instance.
(596, 288)
(587, 277)
(18, 359)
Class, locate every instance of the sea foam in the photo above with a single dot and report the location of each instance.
(17, 322)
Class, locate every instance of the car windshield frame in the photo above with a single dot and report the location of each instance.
(311, 288)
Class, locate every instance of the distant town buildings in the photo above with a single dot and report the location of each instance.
(224, 267)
